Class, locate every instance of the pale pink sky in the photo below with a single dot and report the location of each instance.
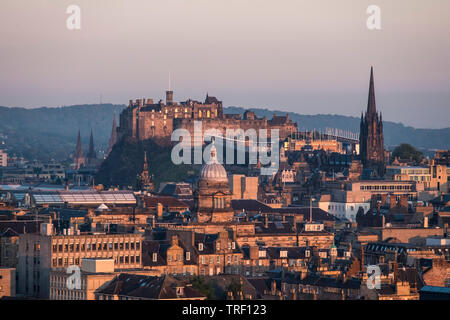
(303, 56)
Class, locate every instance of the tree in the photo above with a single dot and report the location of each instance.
(206, 288)
(407, 152)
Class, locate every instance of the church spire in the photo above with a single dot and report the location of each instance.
(113, 137)
(78, 157)
(91, 152)
(79, 149)
(371, 107)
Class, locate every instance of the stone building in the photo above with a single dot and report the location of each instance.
(78, 157)
(144, 119)
(212, 199)
(39, 254)
(7, 282)
(371, 134)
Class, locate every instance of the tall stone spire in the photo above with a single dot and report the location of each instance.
(145, 180)
(78, 157)
(371, 134)
(91, 155)
(91, 152)
(371, 106)
(113, 137)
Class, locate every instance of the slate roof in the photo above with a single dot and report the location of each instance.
(166, 201)
(147, 287)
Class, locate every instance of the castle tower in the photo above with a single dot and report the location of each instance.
(371, 134)
(113, 137)
(78, 157)
(91, 155)
(145, 180)
(169, 97)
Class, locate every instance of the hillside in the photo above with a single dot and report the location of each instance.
(50, 133)
(126, 161)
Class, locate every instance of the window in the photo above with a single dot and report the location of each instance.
(188, 255)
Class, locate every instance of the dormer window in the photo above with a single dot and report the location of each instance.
(188, 256)
(200, 246)
(155, 257)
(283, 254)
(180, 291)
(233, 245)
(307, 253)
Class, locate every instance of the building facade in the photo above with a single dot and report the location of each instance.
(371, 134)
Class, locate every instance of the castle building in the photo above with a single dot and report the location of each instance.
(78, 158)
(371, 134)
(212, 199)
(145, 119)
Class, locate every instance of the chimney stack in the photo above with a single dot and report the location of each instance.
(159, 210)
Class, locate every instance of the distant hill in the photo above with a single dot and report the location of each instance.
(50, 133)
(394, 133)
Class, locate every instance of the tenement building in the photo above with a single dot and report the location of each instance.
(39, 254)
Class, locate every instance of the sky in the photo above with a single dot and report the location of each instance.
(309, 57)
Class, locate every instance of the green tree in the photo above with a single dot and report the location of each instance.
(206, 288)
(407, 152)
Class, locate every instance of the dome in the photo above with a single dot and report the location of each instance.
(213, 171)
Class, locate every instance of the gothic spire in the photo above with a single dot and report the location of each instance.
(113, 137)
(371, 107)
(79, 149)
(91, 153)
(145, 162)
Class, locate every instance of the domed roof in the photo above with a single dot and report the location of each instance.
(213, 171)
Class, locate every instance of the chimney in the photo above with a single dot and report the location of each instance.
(425, 222)
(362, 257)
(174, 240)
(159, 210)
